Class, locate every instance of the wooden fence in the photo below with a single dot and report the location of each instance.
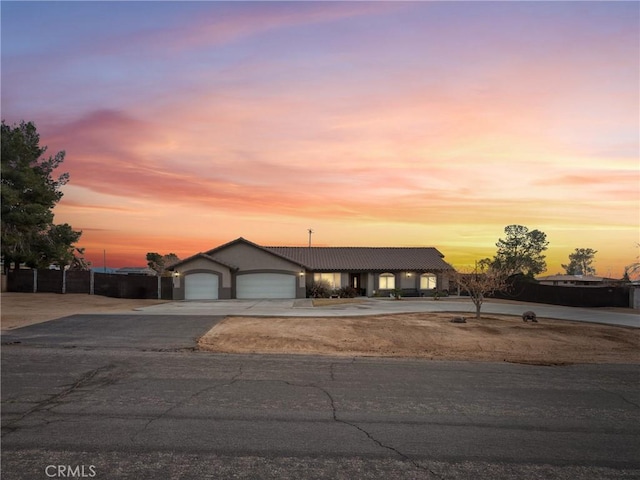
(574, 296)
(108, 285)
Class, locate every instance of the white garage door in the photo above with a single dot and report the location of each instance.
(201, 286)
(266, 285)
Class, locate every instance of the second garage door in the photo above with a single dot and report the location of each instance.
(266, 285)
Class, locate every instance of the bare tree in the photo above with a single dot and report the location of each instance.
(480, 282)
(631, 271)
(79, 262)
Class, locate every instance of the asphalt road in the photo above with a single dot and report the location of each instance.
(113, 397)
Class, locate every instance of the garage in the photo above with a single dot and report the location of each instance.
(266, 285)
(201, 286)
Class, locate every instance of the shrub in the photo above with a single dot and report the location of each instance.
(320, 289)
(347, 292)
(436, 294)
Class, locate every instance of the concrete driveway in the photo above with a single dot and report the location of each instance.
(377, 306)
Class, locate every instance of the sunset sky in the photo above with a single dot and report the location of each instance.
(189, 124)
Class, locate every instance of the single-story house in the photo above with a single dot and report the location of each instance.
(244, 270)
(576, 280)
(135, 271)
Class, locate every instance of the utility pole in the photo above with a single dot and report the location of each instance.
(310, 232)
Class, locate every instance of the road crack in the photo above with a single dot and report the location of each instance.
(54, 400)
(334, 413)
(166, 412)
(620, 396)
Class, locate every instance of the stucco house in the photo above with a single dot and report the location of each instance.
(244, 270)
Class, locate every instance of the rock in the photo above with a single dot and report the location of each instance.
(529, 316)
(458, 320)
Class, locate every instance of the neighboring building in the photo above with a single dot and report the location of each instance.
(103, 270)
(242, 269)
(135, 271)
(576, 280)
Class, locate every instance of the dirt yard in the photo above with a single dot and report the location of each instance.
(21, 309)
(494, 338)
(424, 335)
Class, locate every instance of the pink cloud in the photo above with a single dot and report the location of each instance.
(113, 153)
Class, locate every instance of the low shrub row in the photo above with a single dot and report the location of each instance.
(323, 290)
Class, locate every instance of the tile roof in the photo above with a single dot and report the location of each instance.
(203, 255)
(365, 258)
(376, 259)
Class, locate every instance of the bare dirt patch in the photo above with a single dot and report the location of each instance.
(429, 335)
(22, 309)
(330, 302)
(418, 335)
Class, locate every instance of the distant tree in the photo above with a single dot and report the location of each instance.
(28, 195)
(161, 263)
(580, 262)
(484, 280)
(521, 252)
(55, 246)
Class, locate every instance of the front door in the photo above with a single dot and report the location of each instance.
(355, 281)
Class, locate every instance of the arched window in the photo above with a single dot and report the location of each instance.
(387, 281)
(428, 281)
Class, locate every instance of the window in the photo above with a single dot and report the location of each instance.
(427, 281)
(387, 281)
(333, 279)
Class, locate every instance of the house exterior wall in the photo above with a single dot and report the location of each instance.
(370, 282)
(244, 259)
(407, 280)
(249, 258)
(202, 265)
(442, 280)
